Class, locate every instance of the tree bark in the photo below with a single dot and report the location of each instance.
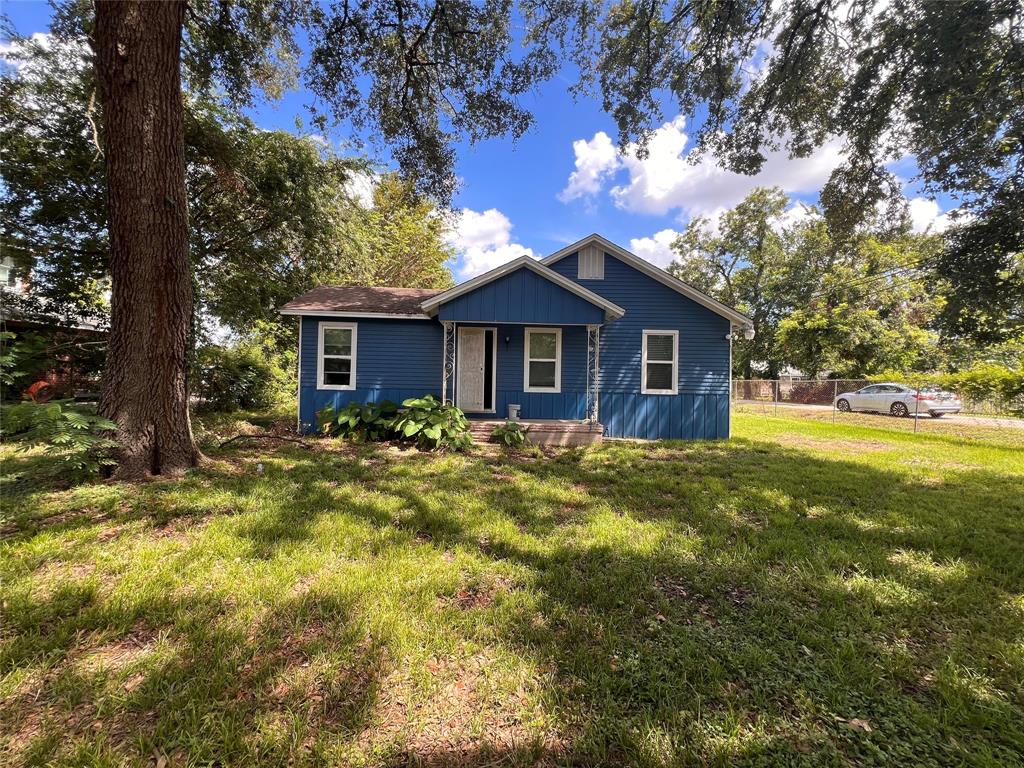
(138, 61)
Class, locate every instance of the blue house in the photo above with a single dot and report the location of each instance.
(591, 336)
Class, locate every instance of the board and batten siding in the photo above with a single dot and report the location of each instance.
(522, 296)
(701, 407)
(395, 360)
(568, 403)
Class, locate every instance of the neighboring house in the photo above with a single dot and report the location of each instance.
(591, 334)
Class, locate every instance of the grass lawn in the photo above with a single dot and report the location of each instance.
(804, 594)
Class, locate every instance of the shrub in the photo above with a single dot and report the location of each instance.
(812, 392)
(431, 424)
(425, 421)
(369, 421)
(74, 434)
(237, 378)
(511, 434)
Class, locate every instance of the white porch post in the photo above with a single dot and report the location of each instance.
(448, 363)
(593, 372)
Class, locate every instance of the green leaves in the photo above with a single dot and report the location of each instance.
(511, 434)
(75, 434)
(424, 420)
(432, 424)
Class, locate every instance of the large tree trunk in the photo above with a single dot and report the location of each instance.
(138, 47)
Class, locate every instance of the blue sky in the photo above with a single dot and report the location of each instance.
(566, 179)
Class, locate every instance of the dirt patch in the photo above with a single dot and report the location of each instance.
(832, 445)
(463, 720)
(696, 605)
(32, 713)
(117, 655)
(477, 595)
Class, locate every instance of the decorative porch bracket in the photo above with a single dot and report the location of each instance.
(593, 372)
(448, 365)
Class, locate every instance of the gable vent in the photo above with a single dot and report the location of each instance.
(591, 263)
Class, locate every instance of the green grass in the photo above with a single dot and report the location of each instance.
(804, 594)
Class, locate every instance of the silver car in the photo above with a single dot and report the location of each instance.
(899, 400)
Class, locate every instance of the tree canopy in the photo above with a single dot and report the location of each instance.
(271, 213)
(843, 306)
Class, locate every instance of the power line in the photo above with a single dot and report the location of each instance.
(869, 279)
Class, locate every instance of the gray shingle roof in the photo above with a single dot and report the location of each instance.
(357, 298)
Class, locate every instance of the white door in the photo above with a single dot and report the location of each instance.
(471, 368)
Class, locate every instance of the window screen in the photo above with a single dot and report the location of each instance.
(543, 348)
(337, 356)
(659, 362)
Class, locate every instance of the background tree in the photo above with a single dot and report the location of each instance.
(938, 81)
(870, 311)
(848, 306)
(271, 213)
(742, 261)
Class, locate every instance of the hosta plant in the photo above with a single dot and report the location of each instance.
(362, 421)
(511, 434)
(432, 424)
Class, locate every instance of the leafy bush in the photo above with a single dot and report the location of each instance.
(237, 378)
(812, 392)
(511, 434)
(425, 421)
(369, 421)
(432, 424)
(75, 434)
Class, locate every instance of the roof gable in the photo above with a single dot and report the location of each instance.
(651, 271)
(433, 304)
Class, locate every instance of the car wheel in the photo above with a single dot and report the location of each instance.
(843, 405)
(936, 414)
(899, 410)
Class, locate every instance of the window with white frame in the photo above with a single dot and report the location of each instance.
(590, 263)
(336, 363)
(660, 363)
(542, 364)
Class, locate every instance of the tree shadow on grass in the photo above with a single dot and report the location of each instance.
(713, 603)
(827, 587)
(184, 676)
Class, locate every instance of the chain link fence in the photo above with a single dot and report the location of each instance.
(914, 406)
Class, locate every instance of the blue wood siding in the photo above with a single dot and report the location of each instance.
(701, 409)
(522, 296)
(395, 360)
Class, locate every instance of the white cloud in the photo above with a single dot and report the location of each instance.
(925, 216)
(484, 240)
(12, 51)
(792, 216)
(360, 186)
(656, 248)
(596, 160)
(667, 180)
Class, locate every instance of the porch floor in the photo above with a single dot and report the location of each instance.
(543, 431)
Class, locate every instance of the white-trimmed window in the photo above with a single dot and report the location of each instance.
(591, 263)
(336, 361)
(542, 360)
(660, 361)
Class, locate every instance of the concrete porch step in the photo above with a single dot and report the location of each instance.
(544, 431)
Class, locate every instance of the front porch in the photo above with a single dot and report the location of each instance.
(566, 432)
(549, 374)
